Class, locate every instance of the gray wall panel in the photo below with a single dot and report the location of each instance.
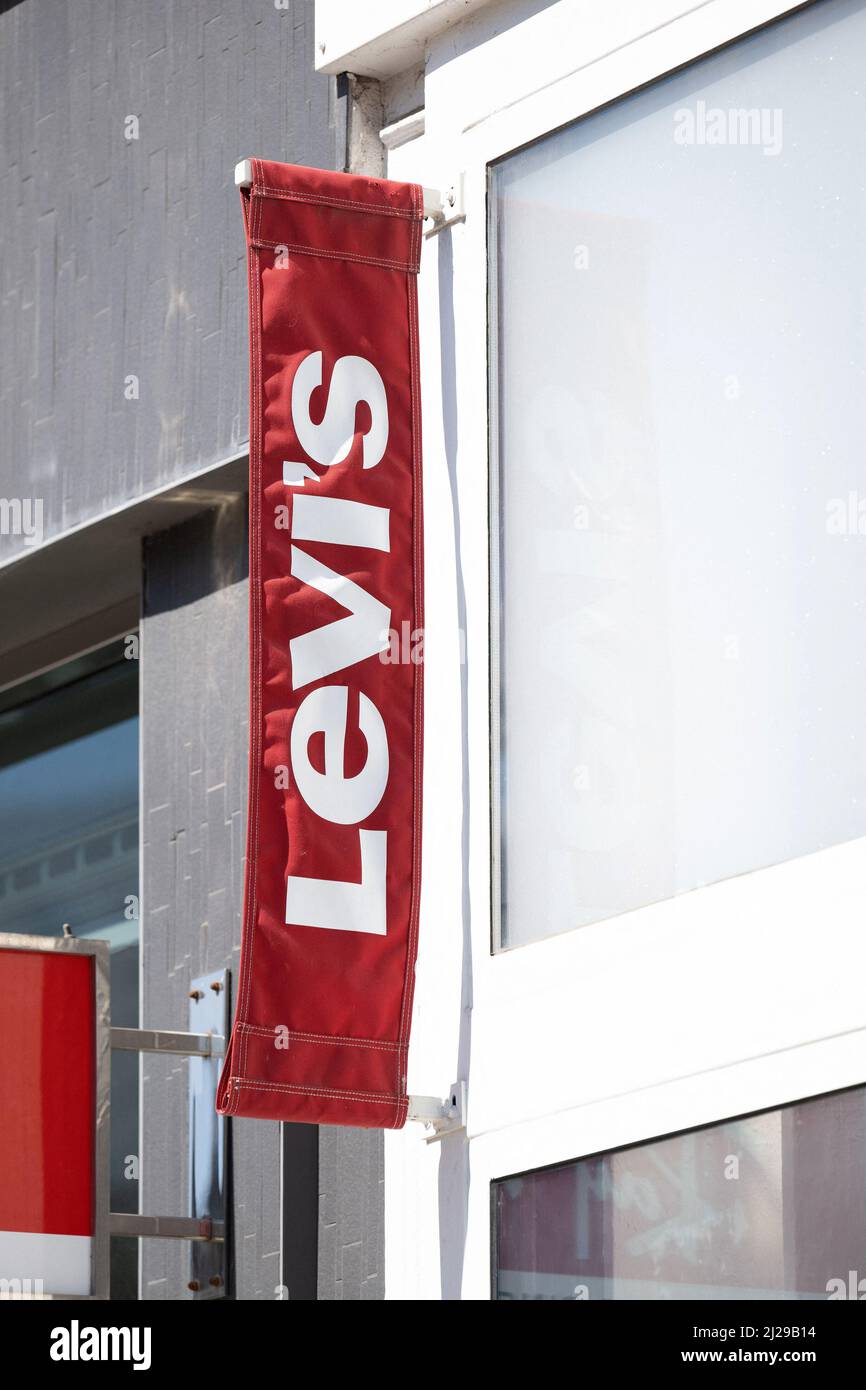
(351, 1213)
(194, 738)
(126, 256)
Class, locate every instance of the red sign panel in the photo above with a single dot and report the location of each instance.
(47, 1135)
(324, 1003)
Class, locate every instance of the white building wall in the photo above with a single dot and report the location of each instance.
(738, 996)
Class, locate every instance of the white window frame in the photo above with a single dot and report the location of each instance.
(602, 1036)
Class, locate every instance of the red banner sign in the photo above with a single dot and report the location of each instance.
(324, 1004)
(48, 1085)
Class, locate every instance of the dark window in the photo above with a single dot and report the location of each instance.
(69, 853)
(770, 1206)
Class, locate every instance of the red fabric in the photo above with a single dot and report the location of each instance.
(321, 1028)
(47, 1052)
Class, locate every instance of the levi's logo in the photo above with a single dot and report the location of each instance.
(77, 1343)
(324, 650)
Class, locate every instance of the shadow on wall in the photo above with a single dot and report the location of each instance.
(208, 553)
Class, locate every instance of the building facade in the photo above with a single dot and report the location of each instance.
(643, 368)
(123, 573)
(640, 934)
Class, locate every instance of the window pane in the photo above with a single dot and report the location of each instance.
(681, 407)
(768, 1207)
(69, 853)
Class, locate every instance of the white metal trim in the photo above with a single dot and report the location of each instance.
(399, 133)
(382, 37)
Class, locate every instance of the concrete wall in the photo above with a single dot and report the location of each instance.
(125, 256)
(351, 1213)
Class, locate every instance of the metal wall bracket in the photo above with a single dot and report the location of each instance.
(163, 1040)
(443, 209)
(443, 1117)
(204, 1226)
(129, 1223)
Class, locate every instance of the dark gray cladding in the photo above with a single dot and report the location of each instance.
(124, 256)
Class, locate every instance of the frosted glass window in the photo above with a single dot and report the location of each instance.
(678, 327)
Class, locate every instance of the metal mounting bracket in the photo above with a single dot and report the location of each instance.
(204, 1226)
(163, 1040)
(443, 1117)
(129, 1223)
(443, 209)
